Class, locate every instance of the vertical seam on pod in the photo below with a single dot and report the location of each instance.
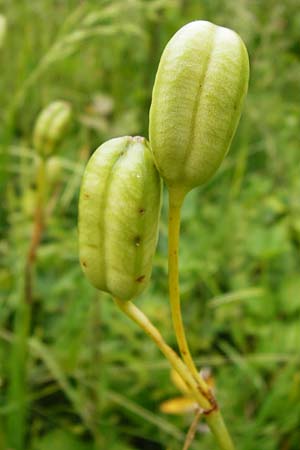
(243, 83)
(106, 194)
(140, 249)
(199, 95)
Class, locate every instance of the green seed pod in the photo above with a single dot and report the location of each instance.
(50, 126)
(119, 210)
(198, 94)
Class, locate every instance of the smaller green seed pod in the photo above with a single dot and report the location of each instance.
(119, 208)
(197, 99)
(50, 126)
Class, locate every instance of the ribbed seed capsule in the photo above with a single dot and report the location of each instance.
(50, 126)
(119, 210)
(197, 99)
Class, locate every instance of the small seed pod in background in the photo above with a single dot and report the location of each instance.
(51, 126)
(198, 94)
(119, 208)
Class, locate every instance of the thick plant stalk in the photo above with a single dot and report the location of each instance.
(212, 413)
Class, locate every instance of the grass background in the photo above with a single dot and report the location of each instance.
(93, 380)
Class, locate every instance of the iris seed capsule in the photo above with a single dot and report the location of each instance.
(119, 208)
(198, 94)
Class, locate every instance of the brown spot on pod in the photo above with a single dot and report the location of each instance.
(140, 279)
(137, 241)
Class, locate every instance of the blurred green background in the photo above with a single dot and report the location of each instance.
(93, 380)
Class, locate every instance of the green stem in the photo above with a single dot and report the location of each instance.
(175, 203)
(214, 418)
(38, 228)
(143, 322)
(17, 393)
(213, 415)
(218, 427)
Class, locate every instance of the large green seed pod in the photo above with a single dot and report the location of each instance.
(198, 94)
(119, 209)
(51, 126)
